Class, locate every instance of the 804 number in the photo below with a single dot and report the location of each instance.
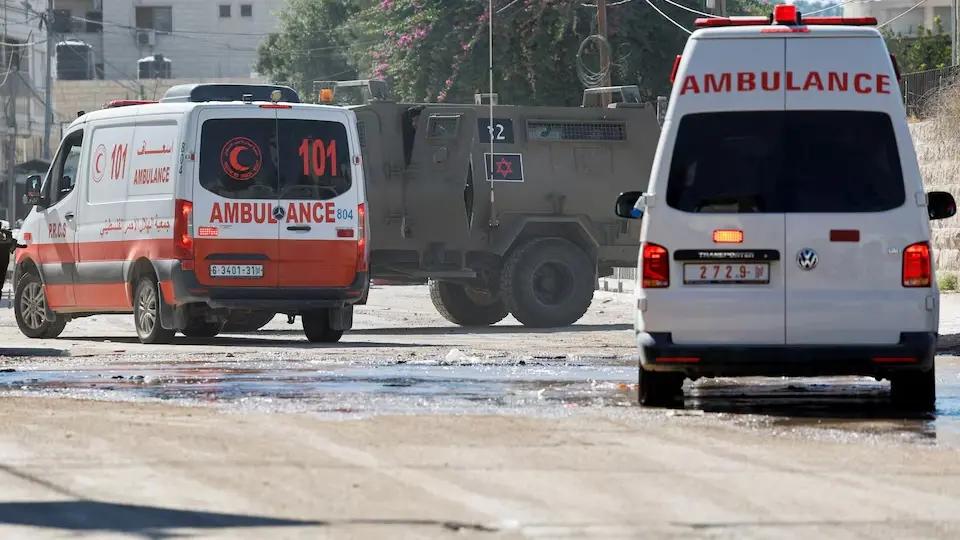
(344, 213)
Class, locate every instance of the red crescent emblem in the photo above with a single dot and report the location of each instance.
(98, 163)
(241, 158)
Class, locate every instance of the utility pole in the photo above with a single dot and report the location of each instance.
(48, 90)
(955, 27)
(604, 51)
(722, 8)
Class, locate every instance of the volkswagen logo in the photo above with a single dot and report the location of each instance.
(807, 259)
(278, 213)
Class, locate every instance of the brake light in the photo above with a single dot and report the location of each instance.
(183, 229)
(676, 68)
(916, 265)
(363, 264)
(714, 22)
(113, 104)
(728, 236)
(276, 106)
(656, 267)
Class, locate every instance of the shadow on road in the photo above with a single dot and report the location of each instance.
(148, 521)
(504, 329)
(234, 340)
(32, 351)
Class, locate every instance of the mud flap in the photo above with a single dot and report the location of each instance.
(341, 318)
(172, 317)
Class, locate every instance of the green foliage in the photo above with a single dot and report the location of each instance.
(947, 282)
(930, 49)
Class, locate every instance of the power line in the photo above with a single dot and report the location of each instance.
(173, 32)
(915, 6)
(691, 10)
(667, 17)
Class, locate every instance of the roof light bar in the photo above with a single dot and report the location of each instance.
(784, 14)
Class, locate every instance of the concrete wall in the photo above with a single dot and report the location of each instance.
(939, 156)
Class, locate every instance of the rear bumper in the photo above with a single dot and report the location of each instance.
(914, 352)
(289, 300)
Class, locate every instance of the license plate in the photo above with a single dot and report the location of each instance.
(236, 270)
(708, 273)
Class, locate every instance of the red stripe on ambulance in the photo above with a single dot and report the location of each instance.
(775, 81)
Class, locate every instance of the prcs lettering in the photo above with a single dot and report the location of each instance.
(774, 81)
(246, 212)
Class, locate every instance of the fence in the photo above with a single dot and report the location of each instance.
(919, 88)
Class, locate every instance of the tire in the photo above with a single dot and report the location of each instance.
(146, 313)
(30, 310)
(316, 326)
(202, 329)
(466, 306)
(240, 322)
(548, 282)
(915, 391)
(660, 389)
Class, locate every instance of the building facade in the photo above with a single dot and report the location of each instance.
(908, 24)
(132, 40)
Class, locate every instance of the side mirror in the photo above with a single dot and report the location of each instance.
(626, 205)
(940, 205)
(33, 195)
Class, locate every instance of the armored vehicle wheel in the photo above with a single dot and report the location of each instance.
(30, 310)
(917, 391)
(239, 322)
(548, 282)
(660, 389)
(465, 305)
(316, 326)
(146, 313)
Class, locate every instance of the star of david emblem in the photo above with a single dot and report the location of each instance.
(504, 167)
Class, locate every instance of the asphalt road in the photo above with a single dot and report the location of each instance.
(413, 428)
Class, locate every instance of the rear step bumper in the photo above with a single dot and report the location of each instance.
(915, 352)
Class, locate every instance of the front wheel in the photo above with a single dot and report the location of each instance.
(30, 310)
(316, 326)
(146, 313)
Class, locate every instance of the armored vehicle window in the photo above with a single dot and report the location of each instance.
(538, 130)
(794, 161)
(315, 160)
(443, 127)
(238, 158)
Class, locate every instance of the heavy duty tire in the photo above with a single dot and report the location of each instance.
(660, 389)
(466, 306)
(916, 391)
(30, 310)
(146, 313)
(548, 282)
(202, 329)
(239, 322)
(316, 326)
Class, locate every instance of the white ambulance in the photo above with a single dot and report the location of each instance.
(785, 226)
(218, 205)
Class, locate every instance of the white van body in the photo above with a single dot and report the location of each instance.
(784, 194)
(209, 199)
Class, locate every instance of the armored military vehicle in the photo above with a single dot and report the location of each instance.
(525, 229)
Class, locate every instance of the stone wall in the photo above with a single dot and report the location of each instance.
(938, 151)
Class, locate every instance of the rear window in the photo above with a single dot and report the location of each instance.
(793, 161)
(270, 159)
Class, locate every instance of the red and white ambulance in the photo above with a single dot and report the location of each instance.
(219, 203)
(785, 225)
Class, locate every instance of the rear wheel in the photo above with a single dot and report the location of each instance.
(660, 389)
(316, 326)
(202, 329)
(917, 391)
(146, 313)
(30, 310)
(465, 305)
(548, 282)
(239, 322)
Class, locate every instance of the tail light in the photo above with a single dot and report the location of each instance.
(363, 264)
(676, 68)
(183, 229)
(916, 265)
(656, 267)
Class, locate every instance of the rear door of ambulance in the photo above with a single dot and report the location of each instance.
(235, 197)
(856, 198)
(716, 210)
(320, 192)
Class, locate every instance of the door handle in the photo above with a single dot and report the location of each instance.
(69, 216)
(302, 228)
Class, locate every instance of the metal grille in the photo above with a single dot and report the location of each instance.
(362, 133)
(576, 131)
(920, 89)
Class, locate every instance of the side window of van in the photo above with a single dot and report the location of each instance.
(63, 175)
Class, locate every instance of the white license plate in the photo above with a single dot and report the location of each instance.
(236, 270)
(708, 273)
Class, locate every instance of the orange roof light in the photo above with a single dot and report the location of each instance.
(326, 95)
(728, 236)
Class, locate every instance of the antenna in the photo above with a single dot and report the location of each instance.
(494, 222)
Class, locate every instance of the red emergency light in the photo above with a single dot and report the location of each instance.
(127, 103)
(784, 14)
